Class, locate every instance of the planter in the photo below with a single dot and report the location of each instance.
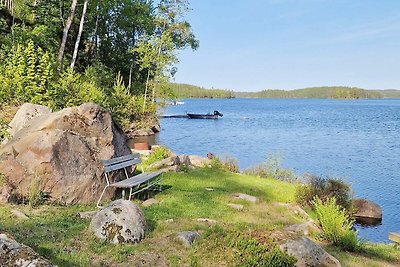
(141, 146)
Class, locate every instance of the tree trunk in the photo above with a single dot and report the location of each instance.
(145, 90)
(132, 61)
(78, 38)
(65, 35)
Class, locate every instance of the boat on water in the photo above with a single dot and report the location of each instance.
(215, 115)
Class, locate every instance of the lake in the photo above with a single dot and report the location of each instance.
(355, 140)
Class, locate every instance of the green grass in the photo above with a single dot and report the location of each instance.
(57, 233)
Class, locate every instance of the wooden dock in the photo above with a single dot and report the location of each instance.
(395, 237)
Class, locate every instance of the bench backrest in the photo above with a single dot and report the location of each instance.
(121, 162)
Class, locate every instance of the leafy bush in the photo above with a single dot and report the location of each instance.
(324, 189)
(336, 225)
(272, 169)
(157, 154)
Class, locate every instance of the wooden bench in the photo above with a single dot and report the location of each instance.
(137, 183)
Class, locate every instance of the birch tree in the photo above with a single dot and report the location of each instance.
(78, 38)
(65, 35)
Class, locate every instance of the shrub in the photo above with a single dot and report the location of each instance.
(157, 154)
(230, 164)
(335, 223)
(272, 169)
(324, 189)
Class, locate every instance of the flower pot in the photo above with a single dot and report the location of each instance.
(141, 146)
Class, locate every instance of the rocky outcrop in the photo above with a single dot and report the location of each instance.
(60, 153)
(308, 253)
(120, 222)
(24, 114)
(367, 209)
(198, 161)
(13, 253)
(165, 163)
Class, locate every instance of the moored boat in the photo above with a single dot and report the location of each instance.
(214, 115)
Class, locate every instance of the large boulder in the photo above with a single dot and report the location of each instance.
(367, 209)
(308, 253)
(13, 253)
(120, 222)
(198, 161)
(60, 153)
(24, 114)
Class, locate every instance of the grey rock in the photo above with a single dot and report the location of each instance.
(19, 214)
(184, 160)
(149, 202)
(24, 114)
(120, 222)
(87, 214)
(198, 161)
(367, 209)
(245, 197)
(304, 228)
(308, 253)
(235, 206)
(61, 152)
(140, 132)
(168, 162)
(13, 253)
(188, 237)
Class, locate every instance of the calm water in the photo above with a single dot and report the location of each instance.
(355, 140)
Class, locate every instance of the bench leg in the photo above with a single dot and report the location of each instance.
(102, 193)
(130, 194)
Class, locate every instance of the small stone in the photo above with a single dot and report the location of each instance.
(87, 214)
(235, 206)
(209, 221)
(169, 221)
(19, 214)
(246, 197)
(188, 237)
(149, 202)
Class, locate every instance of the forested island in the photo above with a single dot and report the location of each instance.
(324, 92)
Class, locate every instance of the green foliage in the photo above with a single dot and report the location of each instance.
(250, 252)
(335, 92)
(230, 164)
(35, 195)
(25, 73)
(272, 169)
(324, 189)
(156, 155)
(191, 91)
(335, 223)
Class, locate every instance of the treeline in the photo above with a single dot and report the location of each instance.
(191, 91)
(334, 92)
(115, 53)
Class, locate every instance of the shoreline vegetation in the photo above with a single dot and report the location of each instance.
(245, 236)
(323, 92)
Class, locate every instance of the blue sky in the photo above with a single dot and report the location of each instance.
(251, 45)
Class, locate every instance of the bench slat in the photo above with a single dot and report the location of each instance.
(136, 180)
(122, 165)
(120, 159)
